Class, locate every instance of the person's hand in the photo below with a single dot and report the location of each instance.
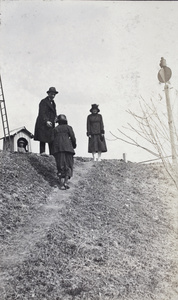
(102, 137)
(89, 136)
(49, 124)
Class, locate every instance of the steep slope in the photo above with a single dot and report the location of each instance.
(111, 236)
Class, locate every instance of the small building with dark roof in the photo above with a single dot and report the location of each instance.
(17, 138)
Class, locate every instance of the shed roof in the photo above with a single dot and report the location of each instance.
(20, 129)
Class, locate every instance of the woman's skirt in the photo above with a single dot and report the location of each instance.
(97, 143)
(64, 163)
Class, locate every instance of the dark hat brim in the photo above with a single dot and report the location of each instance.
(93, 109)
(52, 92)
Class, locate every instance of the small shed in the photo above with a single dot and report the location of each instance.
(20, 137)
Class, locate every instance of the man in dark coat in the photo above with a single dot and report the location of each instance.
(46, 120)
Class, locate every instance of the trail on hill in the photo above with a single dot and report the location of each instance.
(112, 235)
(23, 241)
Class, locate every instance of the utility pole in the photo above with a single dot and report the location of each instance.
(163, 76)
(170, 122)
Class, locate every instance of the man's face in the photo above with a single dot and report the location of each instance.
(51, 95)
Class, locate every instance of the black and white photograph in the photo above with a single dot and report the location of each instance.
(88, 150)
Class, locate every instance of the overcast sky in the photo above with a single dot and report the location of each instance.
(103, 52)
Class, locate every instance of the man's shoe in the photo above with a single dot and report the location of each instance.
(44, 154)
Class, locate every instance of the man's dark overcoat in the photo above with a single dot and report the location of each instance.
(95, 129)
(47, 112)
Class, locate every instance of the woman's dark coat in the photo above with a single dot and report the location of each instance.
(47, 112)
(95, 129)
(64, 139)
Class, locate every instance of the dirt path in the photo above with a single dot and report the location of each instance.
(112, 235)
(24, 240)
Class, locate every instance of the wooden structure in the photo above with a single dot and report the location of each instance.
(16, 136)
(4, 116)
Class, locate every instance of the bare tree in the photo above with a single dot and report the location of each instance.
(152, 127)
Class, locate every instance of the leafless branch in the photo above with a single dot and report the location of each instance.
(134, 143)
(153, 129)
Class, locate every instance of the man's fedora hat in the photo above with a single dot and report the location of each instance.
(52, 90)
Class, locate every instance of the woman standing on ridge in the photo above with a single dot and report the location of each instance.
(95, 132)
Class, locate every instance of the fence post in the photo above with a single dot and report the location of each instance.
(124, 157)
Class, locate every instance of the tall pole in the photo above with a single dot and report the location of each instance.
(164, 75)
(171, 127)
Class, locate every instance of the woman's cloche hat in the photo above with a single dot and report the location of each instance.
(52, 90)
(94, 106)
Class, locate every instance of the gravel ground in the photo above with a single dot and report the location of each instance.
(112, 235)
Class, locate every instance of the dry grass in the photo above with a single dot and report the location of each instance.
(111, 236)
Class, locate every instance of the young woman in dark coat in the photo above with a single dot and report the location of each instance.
(64, 143)
(95, 132)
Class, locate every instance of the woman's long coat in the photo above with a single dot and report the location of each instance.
(47, 112)
(64, 139)
(95, 129)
